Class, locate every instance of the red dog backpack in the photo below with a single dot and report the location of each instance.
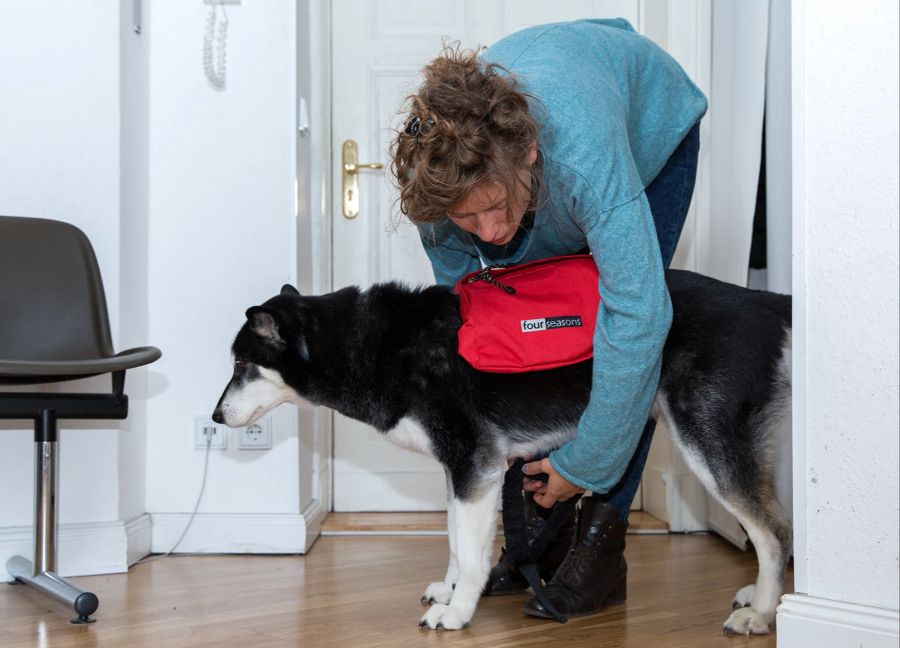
(538, 315)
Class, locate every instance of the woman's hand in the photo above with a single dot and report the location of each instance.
(556, 489)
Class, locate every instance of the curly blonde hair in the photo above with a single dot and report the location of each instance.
(468, 124)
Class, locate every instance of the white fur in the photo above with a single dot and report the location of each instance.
(744, 596)
(441, 591)
(453, 600)
(757, 618)
(747, 621)
(409, 434)
(472, 532)
(438, 592)
(538, 446)
(246, 404)
(785, 366)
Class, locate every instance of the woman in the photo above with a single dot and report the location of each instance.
(562, 138)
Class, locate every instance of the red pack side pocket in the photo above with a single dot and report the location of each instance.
(538, 315)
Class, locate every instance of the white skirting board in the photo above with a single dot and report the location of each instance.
(84, 548)
(677, 498)
(90, 548)
(804, 621)
(411, 491)
(239, 533)
(140, 535)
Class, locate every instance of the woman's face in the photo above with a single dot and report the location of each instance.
(489, 213)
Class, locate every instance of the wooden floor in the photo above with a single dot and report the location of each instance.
(364, 591)
(436, 523)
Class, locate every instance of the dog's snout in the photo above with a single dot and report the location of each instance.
(217, 416)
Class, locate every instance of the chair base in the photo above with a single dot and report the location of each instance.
(83, 602)
(45, 409)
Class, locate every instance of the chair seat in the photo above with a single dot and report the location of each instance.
(24, 371)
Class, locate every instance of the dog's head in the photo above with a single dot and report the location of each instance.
(269, 354)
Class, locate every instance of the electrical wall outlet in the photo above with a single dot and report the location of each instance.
(257, 436)
(207, 428)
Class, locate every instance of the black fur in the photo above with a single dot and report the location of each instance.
(721, 373)
(390, 353)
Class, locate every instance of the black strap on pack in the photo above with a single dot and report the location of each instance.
(524, 553)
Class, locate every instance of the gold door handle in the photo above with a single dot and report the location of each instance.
(355, 168)
(350, 171)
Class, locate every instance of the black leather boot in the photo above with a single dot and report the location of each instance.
(506, 578)
(593, 573)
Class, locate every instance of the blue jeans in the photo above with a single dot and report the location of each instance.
(669, 196)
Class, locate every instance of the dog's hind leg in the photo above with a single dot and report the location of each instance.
(737, 470)
(770, 534)
(474, 525)
(441, 591)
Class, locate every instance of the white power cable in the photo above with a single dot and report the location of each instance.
(190, 521)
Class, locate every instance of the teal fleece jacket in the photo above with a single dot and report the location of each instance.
(611, 108)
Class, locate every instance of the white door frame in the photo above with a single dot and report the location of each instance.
(798, 290)
(314, 227)
(670, 490)
(313, 187)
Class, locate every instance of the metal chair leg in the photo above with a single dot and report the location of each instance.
(41, 573)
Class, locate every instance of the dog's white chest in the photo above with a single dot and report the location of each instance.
(410, 435)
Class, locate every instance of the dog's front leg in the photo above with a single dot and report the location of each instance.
(441, 591)
(474, 525)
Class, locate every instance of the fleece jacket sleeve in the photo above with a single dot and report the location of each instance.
(633, 319)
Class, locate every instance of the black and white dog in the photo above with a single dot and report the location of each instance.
(387, 356)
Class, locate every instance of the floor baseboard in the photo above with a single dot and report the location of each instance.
(804, 621)
(83, 547)
(237, 533)
(434, 523)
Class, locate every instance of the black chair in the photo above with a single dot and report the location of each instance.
(54, 327)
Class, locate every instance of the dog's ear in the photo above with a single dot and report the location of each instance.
(288, 289)
(263, 323)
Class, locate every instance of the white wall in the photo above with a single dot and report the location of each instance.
(846, 296)
(851, 274)
(59, 158)
(851, 297)
(133, 270)
(221, 237)
(187, 194)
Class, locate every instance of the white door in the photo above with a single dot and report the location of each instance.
(378, 50)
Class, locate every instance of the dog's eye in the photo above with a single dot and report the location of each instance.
(240, 364)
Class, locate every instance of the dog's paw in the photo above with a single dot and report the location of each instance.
(747, 621)
(444, 617)
(744, 597)
(438, 592)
